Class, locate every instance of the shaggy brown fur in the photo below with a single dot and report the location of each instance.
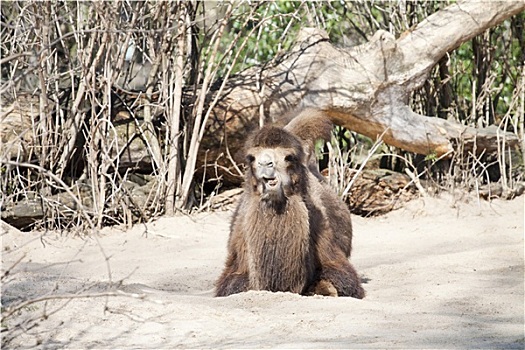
(290, 231)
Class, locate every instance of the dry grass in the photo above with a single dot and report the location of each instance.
(113, 100)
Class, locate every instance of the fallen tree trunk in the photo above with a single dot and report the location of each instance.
(30, 210)
(364, 88)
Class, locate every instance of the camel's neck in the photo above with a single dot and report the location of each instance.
(278, 245)
(279, 220)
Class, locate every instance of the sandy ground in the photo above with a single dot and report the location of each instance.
(439, 273)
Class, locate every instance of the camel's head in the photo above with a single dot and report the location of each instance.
(279, 159)
(276, 165)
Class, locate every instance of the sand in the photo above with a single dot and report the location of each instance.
(439, 273)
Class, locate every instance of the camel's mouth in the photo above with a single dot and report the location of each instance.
(270, 182)
(271, 188)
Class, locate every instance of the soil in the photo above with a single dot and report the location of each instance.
(439, 273)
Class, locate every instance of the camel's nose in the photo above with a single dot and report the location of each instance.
(266, 161)
(266, 172)
(266, 166)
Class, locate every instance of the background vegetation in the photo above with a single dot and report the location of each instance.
(119, 93)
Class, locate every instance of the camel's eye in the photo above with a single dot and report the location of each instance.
(291, 158)
(250, 159)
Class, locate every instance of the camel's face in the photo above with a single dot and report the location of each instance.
(272, 171)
